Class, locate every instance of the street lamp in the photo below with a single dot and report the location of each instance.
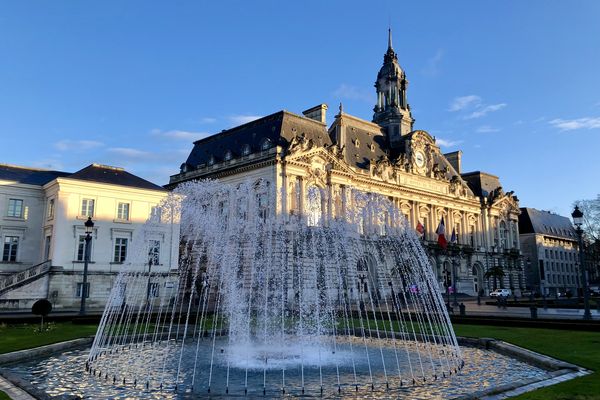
(89, 228)
(578, 221)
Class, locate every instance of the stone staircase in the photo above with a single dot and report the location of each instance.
(21, 278)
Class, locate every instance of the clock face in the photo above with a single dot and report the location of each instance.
(420, 159)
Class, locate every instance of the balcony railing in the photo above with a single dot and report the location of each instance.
(19, 277)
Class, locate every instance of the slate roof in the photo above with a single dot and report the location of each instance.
(278, 129)
(93, 173)
(112, 175)
(481, 183)
(545, 223)
(372, 144)
(29, 176)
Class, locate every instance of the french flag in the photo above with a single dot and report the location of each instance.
(453, 237)
(420, 228)
(441, 232)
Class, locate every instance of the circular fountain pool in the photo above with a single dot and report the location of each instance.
(65, 373)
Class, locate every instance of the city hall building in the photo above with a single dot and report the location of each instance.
(387, 156)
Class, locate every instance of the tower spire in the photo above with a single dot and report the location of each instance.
(392, 111)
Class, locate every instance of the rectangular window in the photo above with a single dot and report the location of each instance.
(81, 249)
(155, 213)
(87, 207)
(50, 208)
(123, 211)
(11, 245)
(47, 247)
(153, 289)
(15, 208)
(120, 250)
(87, 289)
(154, 252)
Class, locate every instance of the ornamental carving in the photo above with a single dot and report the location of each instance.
(299, 143)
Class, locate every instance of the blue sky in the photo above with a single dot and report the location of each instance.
(513, 84)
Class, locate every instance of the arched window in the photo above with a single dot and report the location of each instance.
(228, 155)
(503, 235)
(472, 235)
(314, 208)
(266, 144)
(211, 160)
(245, 149)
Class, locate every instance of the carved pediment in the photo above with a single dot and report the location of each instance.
(507, 202)
(326, 158)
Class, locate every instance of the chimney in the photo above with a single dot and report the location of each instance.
(454, 160)
(317, 113)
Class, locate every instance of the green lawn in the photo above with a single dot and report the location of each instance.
(23, 336)
(581, 348)
(4, 396)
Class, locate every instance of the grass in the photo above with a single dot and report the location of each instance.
(3, 396)
(26, 336)
(577, 347)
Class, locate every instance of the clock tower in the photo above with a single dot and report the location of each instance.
(392, 111)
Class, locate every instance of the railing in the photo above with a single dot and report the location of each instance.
(21, 276)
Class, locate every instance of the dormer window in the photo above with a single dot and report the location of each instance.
(245, 149)
(211, 160)
(228, 155)
(266, 144)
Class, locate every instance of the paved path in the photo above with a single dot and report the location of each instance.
(471, 308)
(14, 392)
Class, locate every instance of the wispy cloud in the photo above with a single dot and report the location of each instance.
(480, 112)
(486, 129)
(432, 67)
(475, 105)
(207, 120)
(446, 142)
(573, 124)
(77, 145)
(180, 135)
(243, 119)
(464, 102)
(345, 91)
(131, 153)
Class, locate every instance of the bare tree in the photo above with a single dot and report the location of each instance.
(591, 218)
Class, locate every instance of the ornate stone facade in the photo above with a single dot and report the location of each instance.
(387, 157)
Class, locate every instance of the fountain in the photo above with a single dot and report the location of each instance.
(341, 298)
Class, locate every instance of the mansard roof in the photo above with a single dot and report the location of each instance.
(481, 183)
(29, 176)
(112, 175)
(278, 129)
(93, 173)
(364, 141)
(546, 223)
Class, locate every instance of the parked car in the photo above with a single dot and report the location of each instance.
(528, 293)
(501, 293)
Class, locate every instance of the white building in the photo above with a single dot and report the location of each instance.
(549, 245)
(41, 227)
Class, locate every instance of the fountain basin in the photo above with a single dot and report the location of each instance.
(484, 370)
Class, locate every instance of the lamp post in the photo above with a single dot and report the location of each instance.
(89, 228)
(148, 288)
(456, 256)
(447, 283)
(578, 221)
